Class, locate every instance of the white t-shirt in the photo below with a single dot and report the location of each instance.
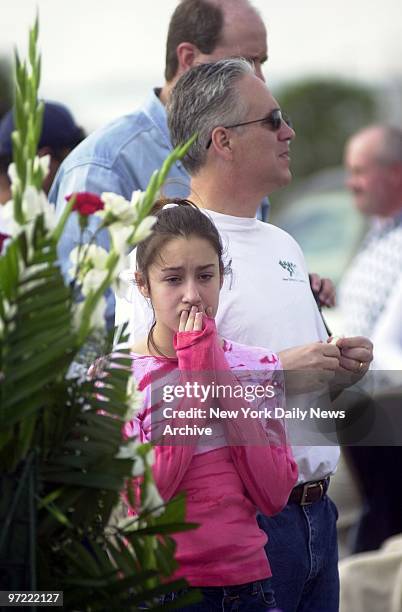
(266, 301)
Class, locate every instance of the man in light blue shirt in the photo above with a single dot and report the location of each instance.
(122, 156)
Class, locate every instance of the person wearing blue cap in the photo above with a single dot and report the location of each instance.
(60, 134)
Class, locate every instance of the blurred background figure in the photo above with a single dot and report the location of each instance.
(373, 159)
(60, 134)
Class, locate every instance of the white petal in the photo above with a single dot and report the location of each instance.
(138, 467)
(144, 229)
(31, 203)
(93, 280)
(98, 315)
(12, 173)
(97, 255)
(97, 319)
(129, 450)
(44, 162)
(152, 500)
(120, 234)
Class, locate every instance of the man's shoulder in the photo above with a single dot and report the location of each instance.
(107, 144)
(271, 235)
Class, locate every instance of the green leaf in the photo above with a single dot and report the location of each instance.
(96, 480)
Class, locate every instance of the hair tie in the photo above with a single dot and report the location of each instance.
(170, 205)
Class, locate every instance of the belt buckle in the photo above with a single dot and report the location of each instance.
(306, 487)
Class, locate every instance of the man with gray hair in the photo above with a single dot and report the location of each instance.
(242, 152)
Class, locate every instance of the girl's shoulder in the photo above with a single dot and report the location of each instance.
(148, 368)
(241, 356)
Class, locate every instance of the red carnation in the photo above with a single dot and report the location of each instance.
(86, 203)
(3, 238)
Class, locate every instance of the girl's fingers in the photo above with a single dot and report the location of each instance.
(198, 321)
(208, 311)
(183, 320)
(191, 318)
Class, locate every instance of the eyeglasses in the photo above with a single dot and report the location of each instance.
(273, 121)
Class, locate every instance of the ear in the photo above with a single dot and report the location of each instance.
(222, 143)
(186, 55)
(141, 284)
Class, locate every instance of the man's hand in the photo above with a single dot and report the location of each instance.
(355, 359)
(314, 356)
(309, 367)
(324, 288)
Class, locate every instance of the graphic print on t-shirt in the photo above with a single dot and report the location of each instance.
(292, 272)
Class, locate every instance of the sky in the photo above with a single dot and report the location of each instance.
(101, 57)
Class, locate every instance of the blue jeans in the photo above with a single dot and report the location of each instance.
(251, 597)
(303, 552)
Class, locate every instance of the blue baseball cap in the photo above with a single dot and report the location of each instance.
(58, 129)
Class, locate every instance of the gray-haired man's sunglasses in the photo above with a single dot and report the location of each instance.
(273, 121)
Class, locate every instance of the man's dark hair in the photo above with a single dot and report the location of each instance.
(195, 21)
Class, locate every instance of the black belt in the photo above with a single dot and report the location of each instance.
(309, 492)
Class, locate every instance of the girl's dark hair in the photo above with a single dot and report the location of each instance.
(183, 220)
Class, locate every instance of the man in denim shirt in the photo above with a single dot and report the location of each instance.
(122, 156)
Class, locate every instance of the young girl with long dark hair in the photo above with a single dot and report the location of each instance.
(228, 467)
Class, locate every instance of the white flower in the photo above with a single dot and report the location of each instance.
(138, 467)
(97, 320)
(92, 255)
(119, 235)
(93, 280)
(91, 265)
(144, 229)
(120, 266)
(12, 173)
(136, 201)
(50, 216)
(128, 451)
(8, 223)
(128, 523)
(152, 500)
(42, 163)
(119, 207)
(124, 285)
(98, 315)
(34, 203)
(97, 255)
(134, 398)
(151, 456)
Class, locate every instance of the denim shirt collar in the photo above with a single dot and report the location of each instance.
(156, 112)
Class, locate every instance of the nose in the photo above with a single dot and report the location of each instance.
(286, 132)
(191, 295)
